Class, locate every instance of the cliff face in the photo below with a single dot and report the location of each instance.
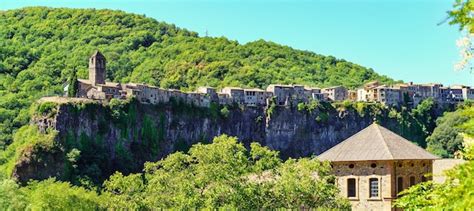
(125, 136)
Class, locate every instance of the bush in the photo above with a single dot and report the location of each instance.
(47, 108)
(225, 112)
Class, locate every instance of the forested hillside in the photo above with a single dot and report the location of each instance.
(40, 47)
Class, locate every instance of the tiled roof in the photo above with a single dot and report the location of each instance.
(376, 143)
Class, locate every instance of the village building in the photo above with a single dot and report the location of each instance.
(298, 94)
(375, 164)
(282, 93)
(352, 95)
(314, 93)
(336, 93)
(456, 93)
(386, 95)
(96, 87)
(223, 98)
(362, 95)
(210, 92)
(467, 93)
(255, 97)
(236, 94)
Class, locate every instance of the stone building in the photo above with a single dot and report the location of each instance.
(375, 164)
(96, 87)
(314, 93)
(289, 94)
(282, 93)
(255, 97)
(352, 95)
(235, 94)
(210, 92)
(336, 93)
(385, 95)
(97, 68)
(467, 93)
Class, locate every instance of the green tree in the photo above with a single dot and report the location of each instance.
(447, 139)
(225, 175)
(73, 84)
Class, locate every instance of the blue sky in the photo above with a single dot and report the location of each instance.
(398, 38)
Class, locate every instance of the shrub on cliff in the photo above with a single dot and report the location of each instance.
(28, 140)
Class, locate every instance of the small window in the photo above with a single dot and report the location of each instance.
(351, 166)
(399, 184)
(373, 165)
(423, 178)
(374, 187)
(412, 180)
(351, 187)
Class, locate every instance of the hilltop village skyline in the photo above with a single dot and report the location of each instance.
(411, 94)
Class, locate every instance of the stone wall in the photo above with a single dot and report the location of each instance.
(362, 171)
(386, 171)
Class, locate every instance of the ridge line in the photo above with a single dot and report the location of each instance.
(384, 142)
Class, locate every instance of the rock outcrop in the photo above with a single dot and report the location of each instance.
(123, 137)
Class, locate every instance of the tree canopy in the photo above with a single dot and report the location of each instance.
(223, 174)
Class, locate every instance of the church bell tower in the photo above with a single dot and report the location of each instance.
(97, 68)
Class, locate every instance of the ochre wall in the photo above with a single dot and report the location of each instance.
(386, 172)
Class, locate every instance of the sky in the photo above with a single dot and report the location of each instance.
(402, 39)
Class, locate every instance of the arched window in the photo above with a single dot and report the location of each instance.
(399, 184)
(412, 181)
(351, 187)
(374, 187)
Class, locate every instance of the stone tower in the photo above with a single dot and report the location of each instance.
(97, 68)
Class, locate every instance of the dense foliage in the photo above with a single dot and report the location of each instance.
(457, 192)
(461, 15)
(447, 139)
(223, 174)
(41, 47)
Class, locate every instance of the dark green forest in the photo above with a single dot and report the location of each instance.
(40, 47)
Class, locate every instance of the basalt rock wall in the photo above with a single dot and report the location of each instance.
(123, 137)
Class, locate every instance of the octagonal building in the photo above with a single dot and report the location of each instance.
(375, 164)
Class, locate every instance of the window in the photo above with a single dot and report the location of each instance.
(399, 184)
(351, 187)
(374, 187)
(423, 178)
(412, 180)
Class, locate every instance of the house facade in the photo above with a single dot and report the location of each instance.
(336, 93)
(374, 165)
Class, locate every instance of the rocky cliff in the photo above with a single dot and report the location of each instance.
(97, 139)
